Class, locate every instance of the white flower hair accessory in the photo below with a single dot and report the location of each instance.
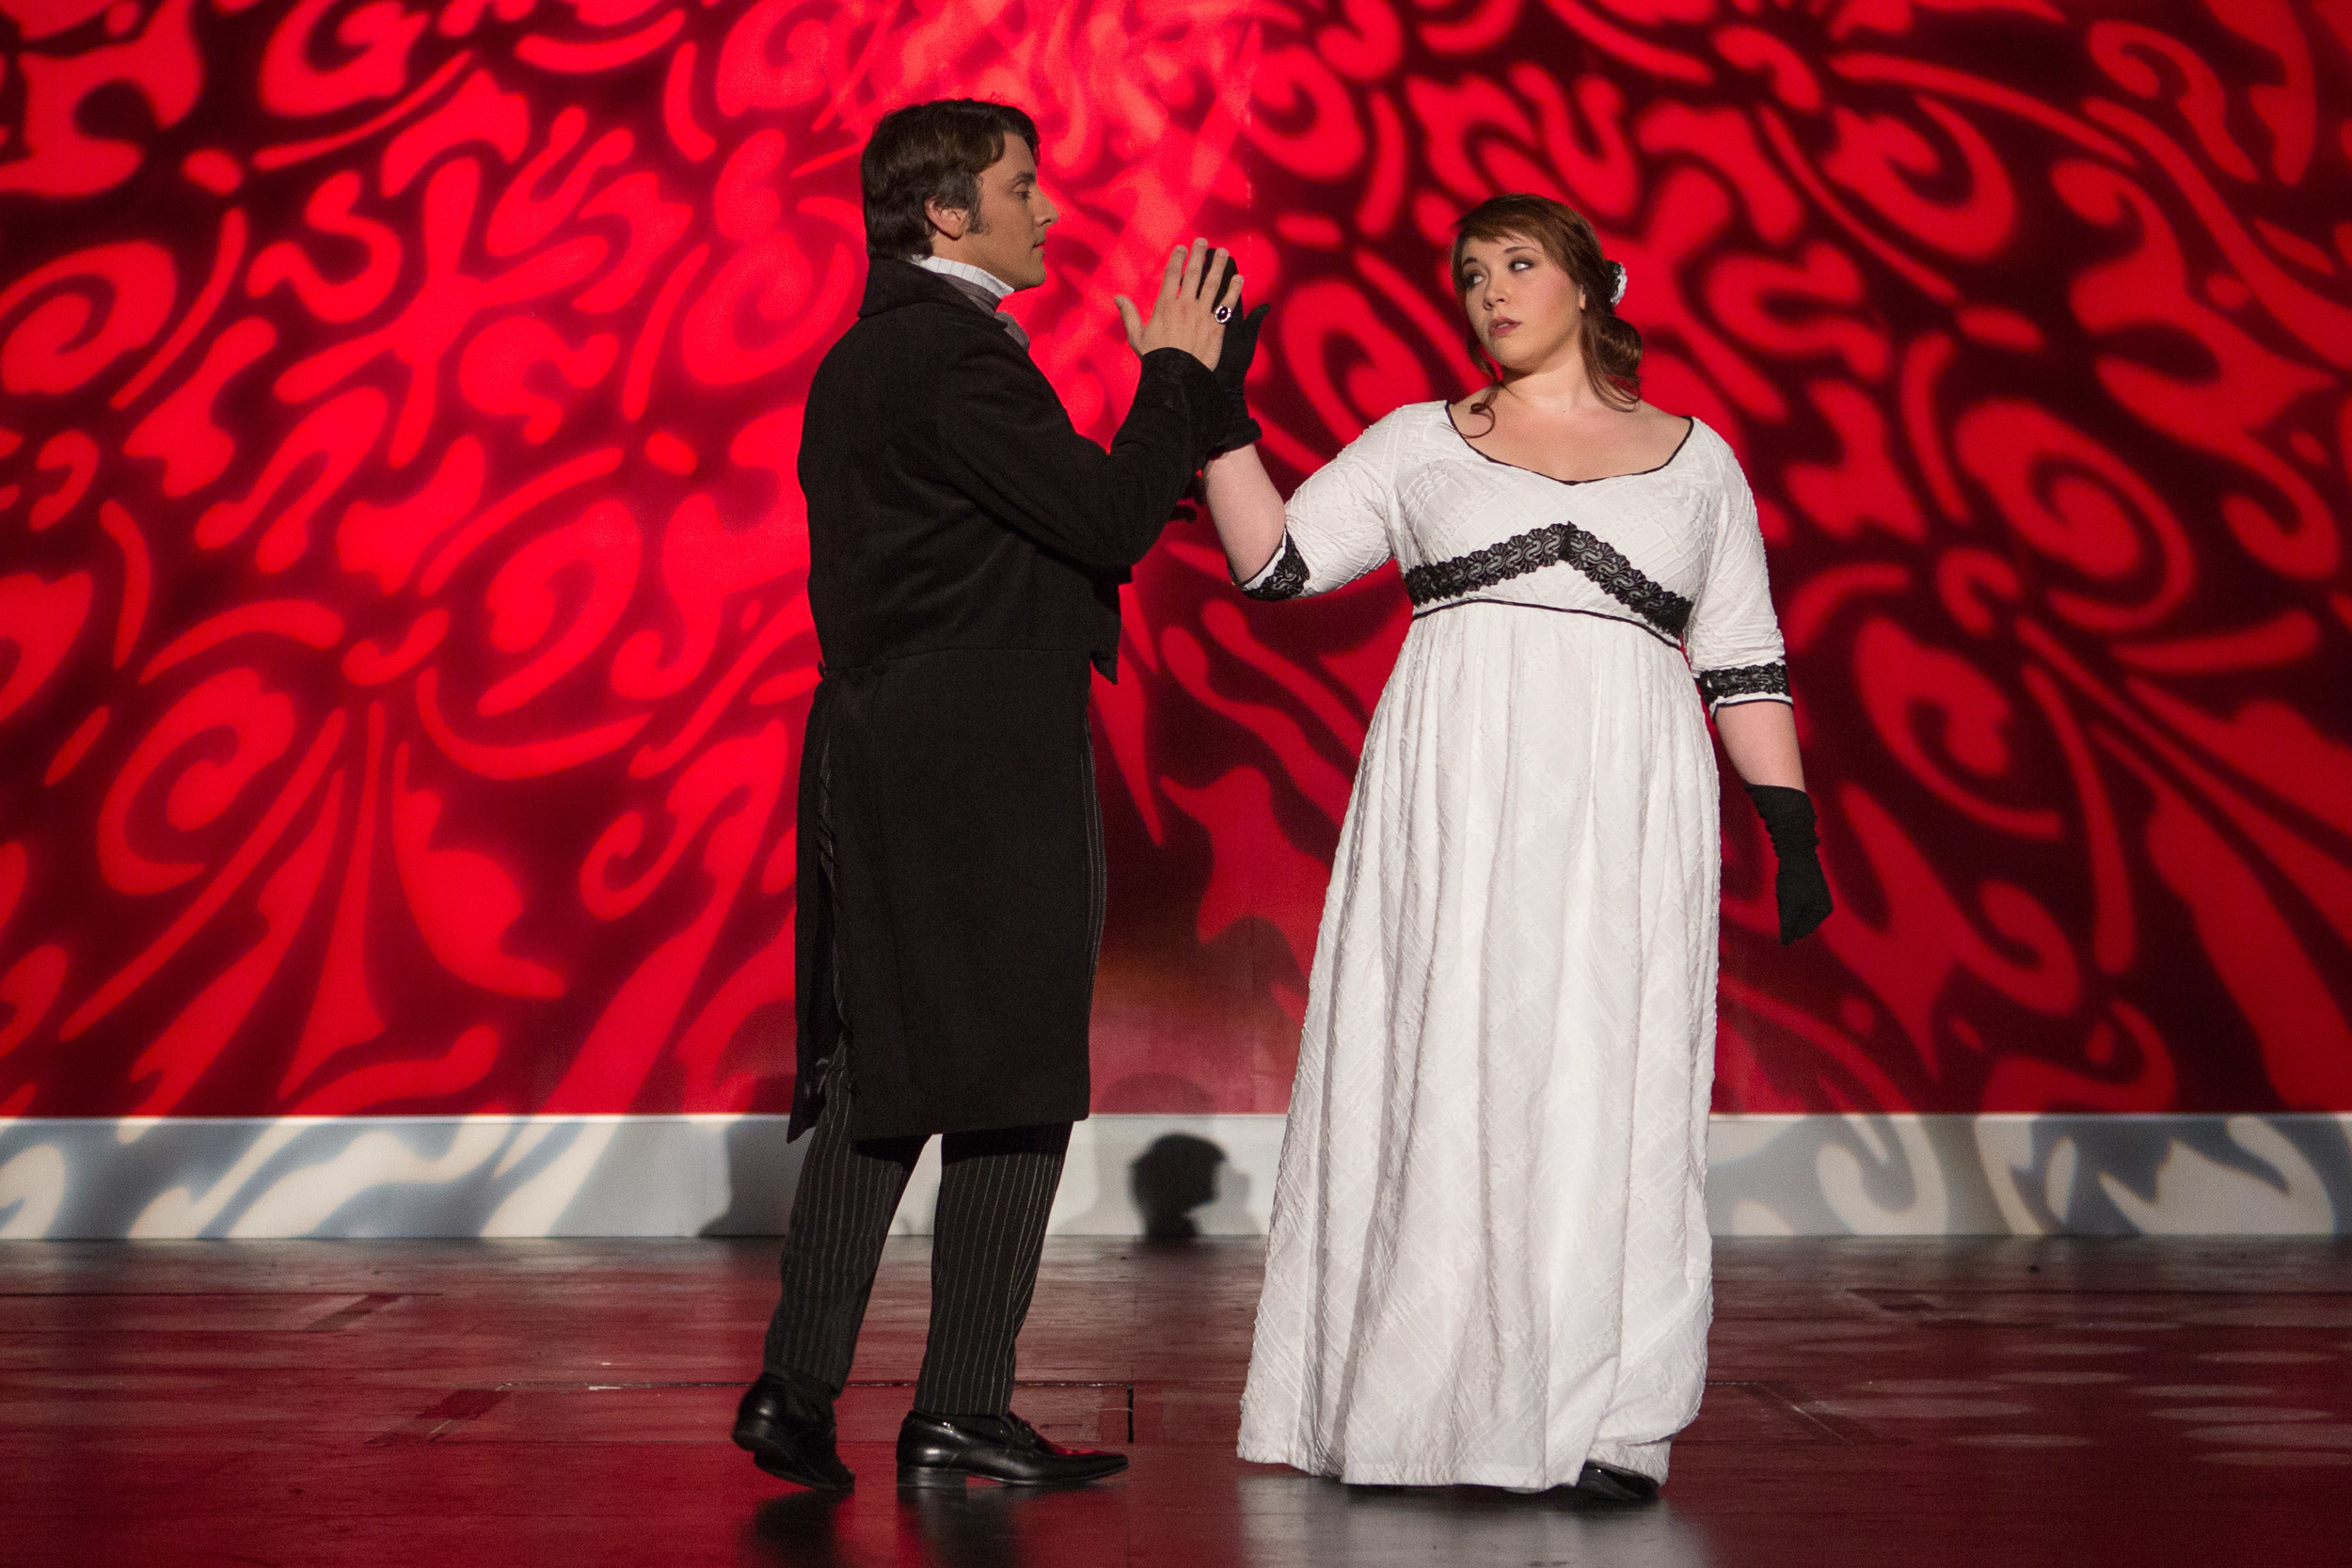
(1618, 292)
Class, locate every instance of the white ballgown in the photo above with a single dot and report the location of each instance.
(1489, 1260)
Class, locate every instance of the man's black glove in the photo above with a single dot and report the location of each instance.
(1802, 891)
(1232, 366)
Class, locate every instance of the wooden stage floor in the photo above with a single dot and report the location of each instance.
(1911, 1402)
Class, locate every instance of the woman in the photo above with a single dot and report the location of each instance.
(1489, 1257)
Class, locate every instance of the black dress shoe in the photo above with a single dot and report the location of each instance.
(940, 1450)
(787, 1429)
(1609, 1484)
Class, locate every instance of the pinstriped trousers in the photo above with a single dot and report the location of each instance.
(996, 1189)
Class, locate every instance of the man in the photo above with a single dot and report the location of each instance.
(967, 546)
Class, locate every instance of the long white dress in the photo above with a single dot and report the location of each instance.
(1489, 1258)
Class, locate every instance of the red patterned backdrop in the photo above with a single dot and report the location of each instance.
(403, 649)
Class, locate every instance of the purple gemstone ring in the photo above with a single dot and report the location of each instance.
(1223, 312)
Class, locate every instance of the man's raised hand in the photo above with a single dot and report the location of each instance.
(1185, 316)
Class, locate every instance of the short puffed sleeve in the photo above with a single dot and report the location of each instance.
(1340, 523)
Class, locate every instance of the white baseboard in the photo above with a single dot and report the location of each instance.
(687, 1176)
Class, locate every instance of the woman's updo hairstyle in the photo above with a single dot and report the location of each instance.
(1612, 347)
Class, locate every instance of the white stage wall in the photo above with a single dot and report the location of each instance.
(687, 1176)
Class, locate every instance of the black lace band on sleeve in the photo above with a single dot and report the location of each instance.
(1287, 580)
(1745, 680)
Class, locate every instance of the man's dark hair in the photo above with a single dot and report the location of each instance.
(931, 153)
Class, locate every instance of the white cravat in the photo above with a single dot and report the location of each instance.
(978, 285)
(996, 286)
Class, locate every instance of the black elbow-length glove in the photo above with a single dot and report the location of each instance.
(1799, 884)
(1233, 365)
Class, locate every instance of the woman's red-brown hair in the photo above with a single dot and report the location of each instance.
(1612, 348)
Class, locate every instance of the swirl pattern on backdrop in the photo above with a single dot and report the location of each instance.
(403, 644)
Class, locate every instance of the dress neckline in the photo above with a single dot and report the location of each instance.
(1690, 423)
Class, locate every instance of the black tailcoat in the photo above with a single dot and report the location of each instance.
(967, 546)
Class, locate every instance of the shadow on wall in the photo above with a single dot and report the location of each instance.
(762, 1172)
(1127, 1176)
(1177, 1174)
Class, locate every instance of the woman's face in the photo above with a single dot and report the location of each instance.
(1523, 305)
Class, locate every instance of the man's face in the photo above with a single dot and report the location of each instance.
(1007, 236)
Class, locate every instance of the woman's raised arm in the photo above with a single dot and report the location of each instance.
(1247, 509)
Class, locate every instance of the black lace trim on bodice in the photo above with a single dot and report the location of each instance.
(1558, 544)
(1289, 577)
(1747, 680)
